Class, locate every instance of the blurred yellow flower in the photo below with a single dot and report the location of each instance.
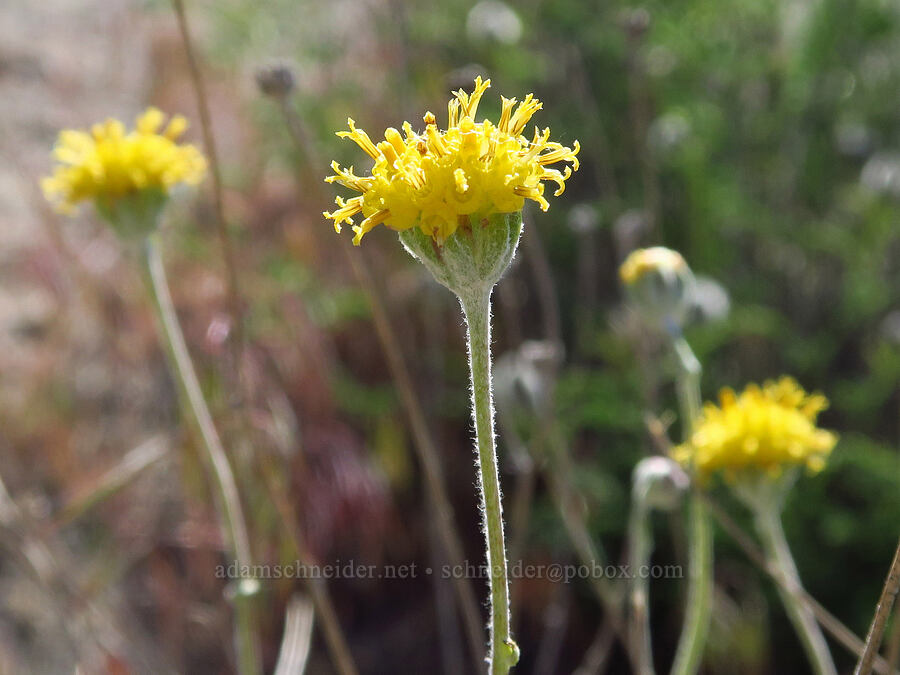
(107, 164)
(436, 179)
(646, 260)
(765, 429)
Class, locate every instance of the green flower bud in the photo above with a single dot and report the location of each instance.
(659, 284)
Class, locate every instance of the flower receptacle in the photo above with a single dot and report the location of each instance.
(135, 215)
(473, 258)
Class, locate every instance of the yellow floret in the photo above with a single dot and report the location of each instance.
(766, 429)
(435, 179)
(108, 163)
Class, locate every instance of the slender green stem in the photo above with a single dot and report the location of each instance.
(768, 525)
(700, 583)
(640, 544)
(503, 652)
(699, 598)
(232, 514)
(688, 384)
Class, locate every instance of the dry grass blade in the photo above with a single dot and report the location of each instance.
(132, 465)
(209, 146)
(335, 639)
(882, 613)
(295, 645)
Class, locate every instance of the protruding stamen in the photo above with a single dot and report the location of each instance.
(345, 211)
(452, 113)
(523, 113)
(558, 178)
(505, 113)
(435, 141)
(389, 153)
(375, 219)
(471, 106)
(347, 178)
(361, 138)
(394, 138)
(534, 193)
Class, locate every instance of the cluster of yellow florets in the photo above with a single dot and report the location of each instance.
(765, 429)
(108, 163)
(656, 259)
(434, 179)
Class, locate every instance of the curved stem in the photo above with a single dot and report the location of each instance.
(503, 652)
(233, 523)
(699, 599)
(700, 555)
(768, 525)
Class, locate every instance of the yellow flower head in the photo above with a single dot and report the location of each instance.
(764, 428)
(647, 260)
(108, 164)
(435, 179)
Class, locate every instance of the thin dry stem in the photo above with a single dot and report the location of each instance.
(424, 445)
(882, 613)
(318, 591)
(828, 621)
(297, 640)
(209, 146)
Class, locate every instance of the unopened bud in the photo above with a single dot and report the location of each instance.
(275, 80)
(659, 285)
(524, 379)
(659, 483)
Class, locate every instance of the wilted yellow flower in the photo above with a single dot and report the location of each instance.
(107, 164)
(765, 428)
(647, 260)
(435, 179)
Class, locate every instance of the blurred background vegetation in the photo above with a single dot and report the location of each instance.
(760, 139)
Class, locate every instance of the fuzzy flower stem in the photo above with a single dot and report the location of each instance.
(768, 525)
(232, 514)
(700, 583)
(476, 305)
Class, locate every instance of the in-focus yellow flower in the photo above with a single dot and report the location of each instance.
(649, 260)
(767, 429)
(436, 179)
(107, 164)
